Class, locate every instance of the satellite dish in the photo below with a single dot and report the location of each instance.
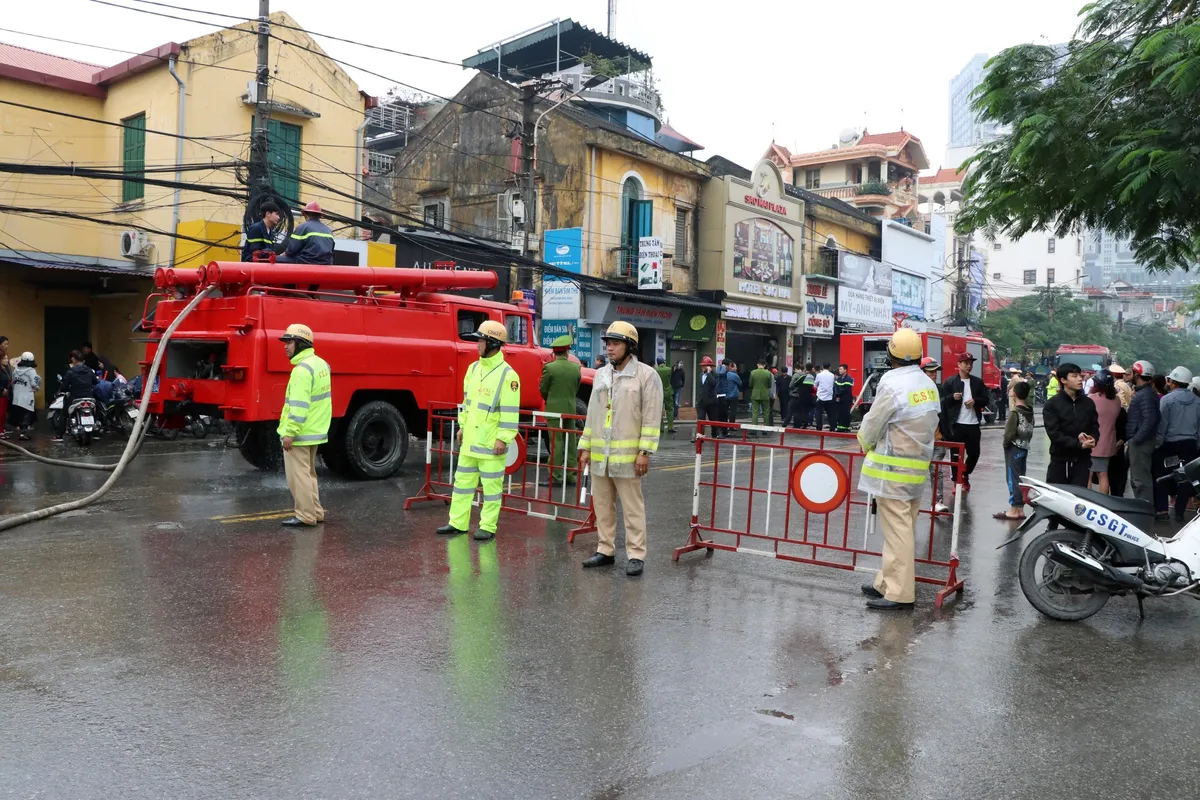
(848, 137)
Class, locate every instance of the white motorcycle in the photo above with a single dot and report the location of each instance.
(81, 418)
(1097, 546)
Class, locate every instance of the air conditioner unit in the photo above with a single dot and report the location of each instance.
(134, 244)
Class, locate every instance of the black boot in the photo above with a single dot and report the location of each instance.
(448, 530)
(634, 567)
(870, 591)
(484, 536)
(599, 560)
(883, 604)
(296, 522)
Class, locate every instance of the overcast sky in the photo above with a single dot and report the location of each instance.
(732, 74)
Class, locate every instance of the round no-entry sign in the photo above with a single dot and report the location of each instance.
(819, 483)
(514, 457)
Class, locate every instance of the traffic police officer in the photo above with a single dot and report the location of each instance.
(489, 422)
(304, 424)
(667, 420)
(897, 435)
(559, 387)
(618, 439)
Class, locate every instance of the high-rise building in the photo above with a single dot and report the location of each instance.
(1108, 259)
(966, 128)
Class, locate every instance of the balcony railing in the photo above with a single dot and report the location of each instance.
(380, 163)
(632, 91)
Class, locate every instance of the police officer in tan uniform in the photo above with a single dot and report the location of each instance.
(619, 436)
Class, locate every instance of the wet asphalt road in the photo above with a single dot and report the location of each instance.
(174, 641)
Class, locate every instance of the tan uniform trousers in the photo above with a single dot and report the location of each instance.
(300, 465)
(604, 499)
(898, 520)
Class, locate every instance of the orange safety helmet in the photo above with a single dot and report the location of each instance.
(706, 362)
(313, 208)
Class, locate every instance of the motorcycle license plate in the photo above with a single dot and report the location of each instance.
(87, 420)
(132, 412)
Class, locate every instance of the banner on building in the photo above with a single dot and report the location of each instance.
(720, 341)
(563, 248)
(908, 294)
(650, 262)
(820, 306)
(865, 295)
(560, 298)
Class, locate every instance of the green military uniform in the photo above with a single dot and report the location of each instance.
(760, 394)
(491, 412)
(559, 387)
(667, 423)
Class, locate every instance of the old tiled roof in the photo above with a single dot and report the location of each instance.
(890, 139)
(943, 175)
(46, 64)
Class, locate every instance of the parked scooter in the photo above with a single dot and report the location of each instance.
(1097, 546)
(81, 418)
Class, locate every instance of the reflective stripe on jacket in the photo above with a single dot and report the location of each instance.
(898, 434)
(623, 418)
(491, 409)
(843, 388)
(308, 408)
(311, 243)
(258, 238)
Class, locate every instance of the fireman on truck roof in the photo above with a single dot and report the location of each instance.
(898, 435)
(260, 237)
(488, 425)
(311, 241)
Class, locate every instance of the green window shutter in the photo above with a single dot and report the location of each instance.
(283, 148)
(133, 160)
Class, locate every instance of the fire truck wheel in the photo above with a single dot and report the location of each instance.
(376, 441)
(580, 407)
(259, 445)
(333, 452)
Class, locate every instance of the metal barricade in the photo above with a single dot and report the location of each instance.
(795, 490)
(529, 461)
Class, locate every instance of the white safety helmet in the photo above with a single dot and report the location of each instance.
(1181, 375)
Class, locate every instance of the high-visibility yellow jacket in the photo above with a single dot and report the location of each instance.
(623, 419)
(491, 409)
(1052, 386)
(308, 409)
(898, 433)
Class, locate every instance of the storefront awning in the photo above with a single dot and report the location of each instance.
(675, 300)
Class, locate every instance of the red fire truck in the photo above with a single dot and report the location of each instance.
(866, 353)
(1085, 355)
(394, 344)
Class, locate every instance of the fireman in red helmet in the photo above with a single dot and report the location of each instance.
(311, 242)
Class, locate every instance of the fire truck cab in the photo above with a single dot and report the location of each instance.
(866, 353)
(392, 353)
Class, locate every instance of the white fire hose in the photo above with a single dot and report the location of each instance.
(131, 447)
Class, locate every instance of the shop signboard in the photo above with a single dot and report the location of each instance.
(720, 341)
(577, 329)
(820, 306)
(695, 327)
(650, 262)
(563, 248)
(560, 298)
(583, 343)
(865, 295)
(908, 294)
(554, 328)
(777, 316)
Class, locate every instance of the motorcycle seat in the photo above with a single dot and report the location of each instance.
(1121, 505)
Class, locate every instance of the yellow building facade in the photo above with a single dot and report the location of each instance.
(77, 254)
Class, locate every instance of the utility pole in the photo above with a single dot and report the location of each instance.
(259, 177)
(529, 198)
(1049, 297)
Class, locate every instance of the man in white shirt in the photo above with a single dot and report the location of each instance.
(964, 396)
(825, 382)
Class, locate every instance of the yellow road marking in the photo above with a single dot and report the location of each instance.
(250, 515)
(708, 463)
(259, 518)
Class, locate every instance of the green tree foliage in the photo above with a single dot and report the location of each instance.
(1024, 332)
(1104, 135)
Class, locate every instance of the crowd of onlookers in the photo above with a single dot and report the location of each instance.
(1111, 429)
(20, 382)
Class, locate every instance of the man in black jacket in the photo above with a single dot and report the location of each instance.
(706, 395)
(782, 391)
(1140, 431)
(1073, 427)
(79, 384)
(964, 397)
